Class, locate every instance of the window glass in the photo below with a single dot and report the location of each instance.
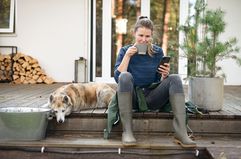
(124, 15)
(6, 16)
(98, 41)
(165, 16)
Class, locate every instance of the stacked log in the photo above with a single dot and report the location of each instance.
(5, 67)
(26, 70)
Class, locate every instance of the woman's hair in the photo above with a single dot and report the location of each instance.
(144, 21)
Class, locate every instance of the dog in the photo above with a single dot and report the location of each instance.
(79, 96)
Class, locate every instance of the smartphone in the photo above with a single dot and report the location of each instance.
(165, 59)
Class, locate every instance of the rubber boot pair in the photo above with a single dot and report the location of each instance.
(177, 102)
(125, 110)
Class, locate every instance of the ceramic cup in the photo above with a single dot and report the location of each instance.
(141, 48)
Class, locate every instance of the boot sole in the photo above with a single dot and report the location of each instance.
(184, 145)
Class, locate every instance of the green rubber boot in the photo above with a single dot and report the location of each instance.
(125, 108)
(179, 121)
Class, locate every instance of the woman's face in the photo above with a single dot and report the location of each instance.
(142, 35)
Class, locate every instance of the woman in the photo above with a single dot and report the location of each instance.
(133, 70)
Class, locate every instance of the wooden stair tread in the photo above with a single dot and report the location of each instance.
(222, 114)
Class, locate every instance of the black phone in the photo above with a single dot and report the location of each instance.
(165, 59)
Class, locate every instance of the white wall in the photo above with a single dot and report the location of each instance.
(56, 33)
(233, 29)
(52, 31)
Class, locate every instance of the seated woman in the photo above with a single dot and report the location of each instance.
(135, 70)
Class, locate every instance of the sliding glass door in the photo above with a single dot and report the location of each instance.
(113, 23)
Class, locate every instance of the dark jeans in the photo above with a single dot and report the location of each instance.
(156, 97)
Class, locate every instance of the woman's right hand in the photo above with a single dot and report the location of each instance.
(131, 51)
(125, 61)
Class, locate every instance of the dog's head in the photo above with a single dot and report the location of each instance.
(60, 105)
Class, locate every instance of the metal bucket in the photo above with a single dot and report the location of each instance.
(23, 123)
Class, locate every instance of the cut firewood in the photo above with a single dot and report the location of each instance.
(39, 80)
(1, 58)
(48, 80)
(15, 77)
(25, 69)
(25, 64)
(32, 81)
(35, 77)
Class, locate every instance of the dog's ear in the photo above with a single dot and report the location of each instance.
(67, 100)
(51, 98)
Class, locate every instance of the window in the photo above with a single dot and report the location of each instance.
(7, 16)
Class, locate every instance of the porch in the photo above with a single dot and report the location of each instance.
(218, 134)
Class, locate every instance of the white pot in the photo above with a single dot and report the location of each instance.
(207, 93)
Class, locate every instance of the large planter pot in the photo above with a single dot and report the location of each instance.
(207, 93)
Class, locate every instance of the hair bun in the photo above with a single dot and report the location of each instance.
(142, 17)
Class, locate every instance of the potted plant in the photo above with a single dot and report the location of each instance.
(206, 79)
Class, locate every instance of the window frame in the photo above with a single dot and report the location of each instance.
(10, 28)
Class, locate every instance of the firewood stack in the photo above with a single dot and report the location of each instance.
(5, 67)
(26, 70)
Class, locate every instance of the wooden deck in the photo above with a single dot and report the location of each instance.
(37, 95)
(217, 132)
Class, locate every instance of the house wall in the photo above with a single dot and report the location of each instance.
(233, 29)
(56, 33)
(52, 31)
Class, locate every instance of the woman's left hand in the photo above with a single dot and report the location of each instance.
(164, 70)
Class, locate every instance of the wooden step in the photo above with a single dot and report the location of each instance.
(81, 145)
(87, 146)
(149, 122)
